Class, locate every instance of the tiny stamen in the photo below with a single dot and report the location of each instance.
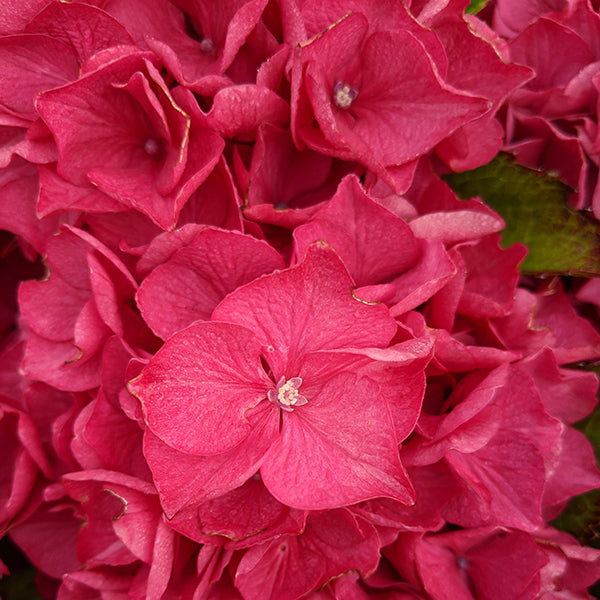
(286, 394)
(343, 94)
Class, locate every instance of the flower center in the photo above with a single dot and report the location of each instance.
(207, 46)
(153, 147)
(343, 94)
(286, 394)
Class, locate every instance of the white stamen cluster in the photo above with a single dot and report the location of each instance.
(286, 394)
(343, 94)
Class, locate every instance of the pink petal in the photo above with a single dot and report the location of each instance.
(198, 387)
(51, 308)
(288, 568)
(86, 28)
(486, 295)
(429, 274)
(509, 471)
(57, 195)
(456, 226)
(188, 286)
(59, 364)
(576, 471)
(19, 185)
(33, 63)
(238, 111)
(373, 243)
(305, 308)
(567, 394)
(186, 480)
(217, 201)
(246, 515)
(339, 448)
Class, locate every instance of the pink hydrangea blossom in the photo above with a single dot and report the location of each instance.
(281, 377)
(252, 345)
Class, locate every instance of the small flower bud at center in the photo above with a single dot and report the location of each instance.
(152, 147)
(207, 46)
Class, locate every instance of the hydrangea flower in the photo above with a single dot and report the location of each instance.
(252, 345)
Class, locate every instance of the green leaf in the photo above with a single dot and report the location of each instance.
(591, 425)
(475, 6)
(581, 517)
(535, 207)
(20, 585)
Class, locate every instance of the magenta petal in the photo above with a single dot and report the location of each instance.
(491, 278)
(567, 394)
(51, 307)
(90, 332)
(242, 512)
(481, 563)
(57, 195)
(170, 132)
(122, 450)
(19, 474)
(49, 539)
(19, 184)
(188, 286)
(506, 566)
(404, 94)
(112, 286)
(575, 338)
(373, 242)
(306, 308)
(86, 28)
(17, 13)
(33, 63)
(197, 389)
(163, 246)
(285, 178)
(338, 449)
(508, 475)
(95, 123)
(400, 373)
(217, 201)
(288, 568)
(122, 513)
(428, 275)
(264, 571)
(246, 515)
(184, 480)
(473, 144)
(575, 472)
(383, 124)
(163, 555)
(239, 110)
(60, 364)
(211, 562)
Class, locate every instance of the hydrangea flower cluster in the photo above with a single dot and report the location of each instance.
(552, 121)
(260, 350)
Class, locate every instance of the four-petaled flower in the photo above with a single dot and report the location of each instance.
(335, 444)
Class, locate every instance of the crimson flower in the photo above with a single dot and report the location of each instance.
(287, 378)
